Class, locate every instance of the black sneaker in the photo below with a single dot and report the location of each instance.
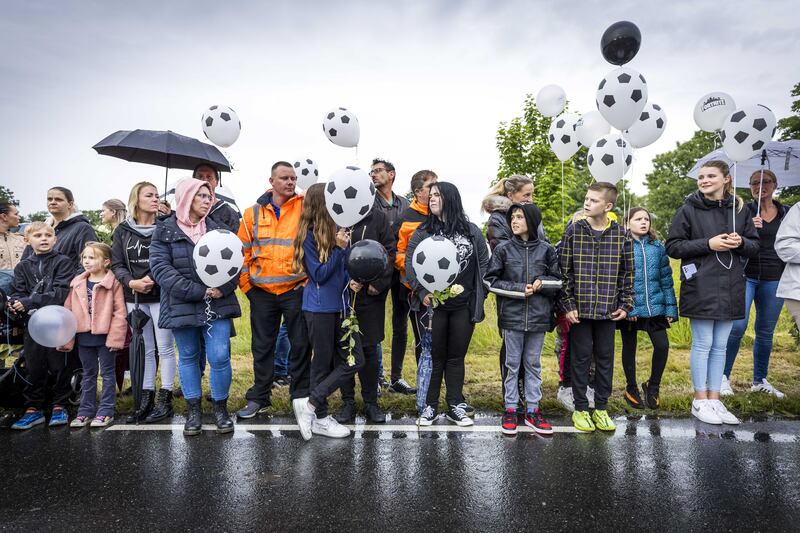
(427, 417)
(281, 381)
(651, 395)
(374, 413)
(633, 398)
(469, 410)
(383, 384)
(401, 386)
(458, 416)
(251, 409)
(347, 414)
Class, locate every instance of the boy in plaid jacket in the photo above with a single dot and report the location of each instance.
(597, 266)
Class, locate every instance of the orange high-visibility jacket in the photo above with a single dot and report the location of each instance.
(268, 246)
(404, 228)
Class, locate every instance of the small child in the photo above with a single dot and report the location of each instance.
(516, 273)
(98, 303)
(597, 265)
(42, 279)
(654, 309)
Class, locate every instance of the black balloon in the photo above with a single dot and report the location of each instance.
(367, 261)
(620, 42)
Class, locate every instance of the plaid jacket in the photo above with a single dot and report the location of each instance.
(598, 272)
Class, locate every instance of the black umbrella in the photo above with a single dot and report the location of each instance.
(137, 320)
(162, 148)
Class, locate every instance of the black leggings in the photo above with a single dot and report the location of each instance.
(660, 352)
(452, 331)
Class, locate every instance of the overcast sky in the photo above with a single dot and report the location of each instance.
(429, 81)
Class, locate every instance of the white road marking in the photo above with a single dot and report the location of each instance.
(381, 428)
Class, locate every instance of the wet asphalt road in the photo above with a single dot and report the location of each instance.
(651, 475)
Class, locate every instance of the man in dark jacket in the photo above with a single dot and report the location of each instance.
(221, 212)
(370, 303)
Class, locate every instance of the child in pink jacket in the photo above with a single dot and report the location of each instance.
(98, 303)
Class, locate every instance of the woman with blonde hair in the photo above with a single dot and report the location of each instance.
(515, 189)
(111, 215)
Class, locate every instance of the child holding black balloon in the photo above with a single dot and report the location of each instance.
(42, 279)
(320, 251)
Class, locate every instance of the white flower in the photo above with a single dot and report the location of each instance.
(455, 290)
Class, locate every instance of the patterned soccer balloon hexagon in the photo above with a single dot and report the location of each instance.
(221, 125)
(563, 136)
(435, 263)
(218, 257)
(621, 96)
(341, 127)
(349, 196)
(609, 158)
(747, 131)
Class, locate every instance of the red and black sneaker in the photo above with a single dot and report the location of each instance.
(509, 425)
(536, 421)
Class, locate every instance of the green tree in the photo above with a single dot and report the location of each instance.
(38, 216)
(790, 129)
(669, 182)
(7, 195)
(524, 149)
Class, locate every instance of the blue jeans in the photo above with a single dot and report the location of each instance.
(217, 347)
(768, 309)
(282, 348)
(707, 356)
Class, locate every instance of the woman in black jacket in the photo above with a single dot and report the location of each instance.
(73, 229)
(713, 255)
(130, 262)
(454, 320)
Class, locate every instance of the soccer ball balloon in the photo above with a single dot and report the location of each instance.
(648, 128)
(563, 137)
(341, 127)
(746, 131)
(218, 257)
(621, 96)
(221, 125)
(349, 195)
(435, 263)
(307, 173)
(609, 158)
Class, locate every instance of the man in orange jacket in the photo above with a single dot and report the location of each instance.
(267, 232)
(403, 229)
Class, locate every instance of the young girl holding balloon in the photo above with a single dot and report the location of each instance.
(712, 293)
(98, 304)
(320, 250)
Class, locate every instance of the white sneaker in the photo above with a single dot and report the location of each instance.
(304, 416)
(705, 412)
(722, 412)
(565, 397)
(590, 397)
(766, 386)
(725, 388)
(329, 427)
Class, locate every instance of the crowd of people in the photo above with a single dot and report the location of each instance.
(600, 277)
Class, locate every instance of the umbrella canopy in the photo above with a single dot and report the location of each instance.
(162, 148)
(781, 157)
(137, 320)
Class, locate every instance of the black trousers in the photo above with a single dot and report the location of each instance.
(266, 311)
(452, 331)
(660, 353)
(329, 368)
(400, 315)
(42, 362)
(592, 340)
(367, 376)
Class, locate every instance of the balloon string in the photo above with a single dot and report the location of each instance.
(733, 192)
(210, 314)
(760, 185)
(563, 192)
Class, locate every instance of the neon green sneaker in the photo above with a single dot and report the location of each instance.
(602, 421)
(582, 421)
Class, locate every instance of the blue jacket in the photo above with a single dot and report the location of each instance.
(325, 291)
(182, 292)
(653, 290)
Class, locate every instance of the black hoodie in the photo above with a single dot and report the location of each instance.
(71, 236)
(41, 280)
(130, 260)
(712, 283)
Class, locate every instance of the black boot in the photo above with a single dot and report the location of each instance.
(163, 408)
(348, 413)
(194, 418)
(145, 406)
(222, 417)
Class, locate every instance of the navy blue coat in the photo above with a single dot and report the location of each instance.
(182, 292)
(325, 291)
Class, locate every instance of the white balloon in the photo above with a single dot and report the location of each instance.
(712, 109)
(551, 100)
(435, 263)
(341, 127)
(609, 158)
(621, 96)
(563, 137)
(590, 127)
(218, 257)
(648, 128)
(307, 173)
(747, 130)
(221, 125)
(349, 196)
(52, 326)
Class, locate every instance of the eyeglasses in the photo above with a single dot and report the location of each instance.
(375, 171)
(203, 196)
(765, 182)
